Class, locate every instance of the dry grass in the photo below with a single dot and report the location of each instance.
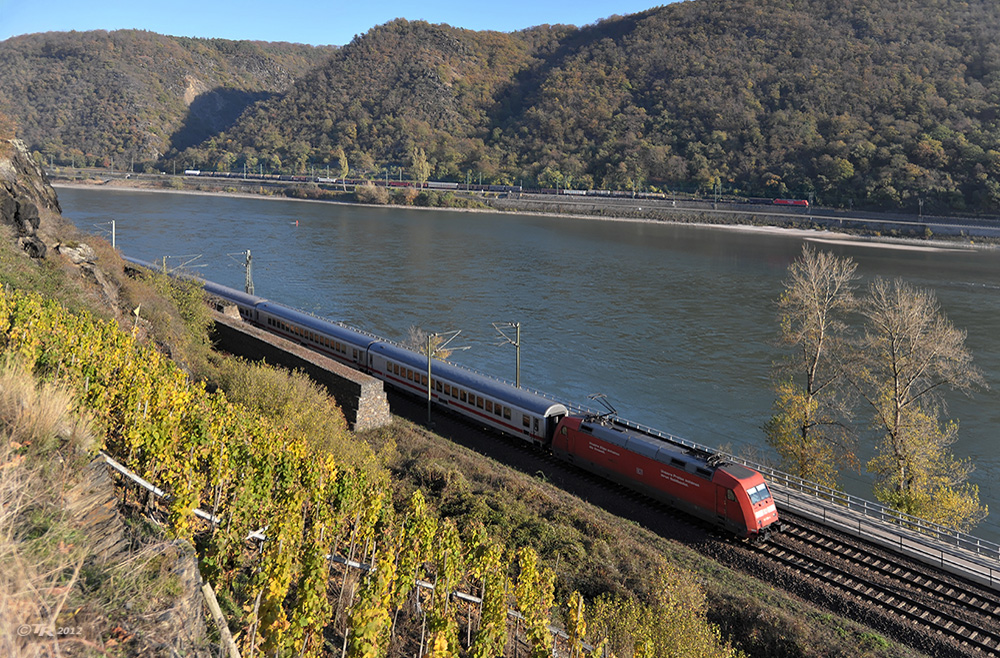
(40, 415)
(40, 556)
(74, 581)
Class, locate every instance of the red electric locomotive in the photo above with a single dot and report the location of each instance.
(695, 481)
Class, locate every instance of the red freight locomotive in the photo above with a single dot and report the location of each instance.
(695, 481)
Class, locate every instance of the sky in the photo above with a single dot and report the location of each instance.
(330, 23)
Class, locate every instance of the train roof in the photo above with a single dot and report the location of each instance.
(232, 294)
(655, 448)
(464, 377)
(739, 471)
(356, 337)
(469, 379)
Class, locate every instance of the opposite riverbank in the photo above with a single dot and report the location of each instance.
(886, 232)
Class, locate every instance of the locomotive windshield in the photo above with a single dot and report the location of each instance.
(759, 493)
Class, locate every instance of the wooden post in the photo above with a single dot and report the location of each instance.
(220, 621)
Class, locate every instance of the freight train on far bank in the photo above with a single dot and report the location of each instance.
(685, 476)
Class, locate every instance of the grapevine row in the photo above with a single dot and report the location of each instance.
(197, 446)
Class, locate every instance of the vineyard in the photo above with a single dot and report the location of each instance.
(284, 595)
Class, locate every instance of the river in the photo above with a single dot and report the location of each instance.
(675, 324)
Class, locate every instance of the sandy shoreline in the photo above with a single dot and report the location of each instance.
(812, 235)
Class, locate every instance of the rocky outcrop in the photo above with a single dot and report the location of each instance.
(28, 204)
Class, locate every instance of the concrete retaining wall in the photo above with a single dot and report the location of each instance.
(360, 396)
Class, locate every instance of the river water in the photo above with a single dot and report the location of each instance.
(674, 324)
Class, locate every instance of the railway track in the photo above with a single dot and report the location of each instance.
(945, 607)
(937, 614)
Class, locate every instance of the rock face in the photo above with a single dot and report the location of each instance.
(28, 204)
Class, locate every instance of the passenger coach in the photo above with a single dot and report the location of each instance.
(493, 402)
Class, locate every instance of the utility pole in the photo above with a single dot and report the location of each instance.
(248, 286)
(429, 381)
(440, 347)
(516, 342)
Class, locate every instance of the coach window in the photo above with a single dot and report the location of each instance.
(506, 413)
(447, 389)
(454, 392)
(526, 421)
(463, 396)
(423, 380)
(496, 409)
(489, 406)
(479, 402)
(437, 386)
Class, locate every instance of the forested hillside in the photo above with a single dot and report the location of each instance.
(85, 97)
(877, 103)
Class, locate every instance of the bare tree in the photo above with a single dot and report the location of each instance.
(807, 428)
(909, 354)
(417, 340)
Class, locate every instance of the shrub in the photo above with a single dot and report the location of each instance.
(371, 194)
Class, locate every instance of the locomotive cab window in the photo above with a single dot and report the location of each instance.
(759, 493)
(730, 494)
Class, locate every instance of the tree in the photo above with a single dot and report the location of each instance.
(342, 164)
(417, 340)
(420, 166)
(909, 353)
(372, 194)
(7, 127)
(807, 428)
